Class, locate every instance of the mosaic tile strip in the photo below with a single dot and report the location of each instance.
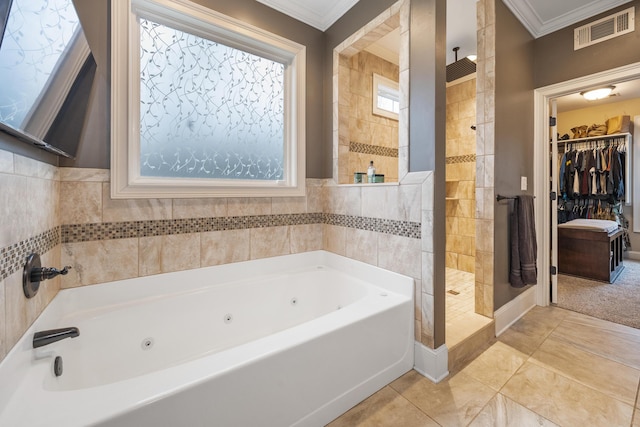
(467, 158)
(358, 147)
(12, 257)
(122, 230)
(380, 225)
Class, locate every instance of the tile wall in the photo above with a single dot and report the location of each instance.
(109, 239)
(397, 251)
(485, 135)
(371, 137)
(359, 136)
(72, 220)
(29, 200)
(461, 176)
(116, 239)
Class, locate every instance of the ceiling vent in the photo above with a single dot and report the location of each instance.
(604, 29)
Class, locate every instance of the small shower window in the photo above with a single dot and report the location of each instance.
(385, 97)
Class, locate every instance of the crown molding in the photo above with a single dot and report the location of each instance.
(537, 27)
(318, 14)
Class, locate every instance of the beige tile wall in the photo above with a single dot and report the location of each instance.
(461, 176)
(485, 192)
(29, 200)
(352, 88)
(403, 255)
(364, 126)
(86, 201)
(100, 261)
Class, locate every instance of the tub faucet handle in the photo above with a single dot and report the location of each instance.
(33, 273)
(39, 274)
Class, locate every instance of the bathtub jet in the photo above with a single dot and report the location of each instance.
(42, 338)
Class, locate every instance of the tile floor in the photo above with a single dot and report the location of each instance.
(552, 367)
(460, 316)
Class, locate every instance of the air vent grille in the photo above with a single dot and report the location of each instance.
(604, 29)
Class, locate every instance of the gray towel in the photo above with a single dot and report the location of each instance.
(524, 247)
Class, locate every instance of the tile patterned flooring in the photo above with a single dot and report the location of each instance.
(461, 318)
(553, 367)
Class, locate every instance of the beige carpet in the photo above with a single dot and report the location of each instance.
(617, 302)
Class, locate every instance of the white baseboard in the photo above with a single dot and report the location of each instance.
(509, 313)
(433, 364)
(634, 255)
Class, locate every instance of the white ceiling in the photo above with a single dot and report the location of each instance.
(624, 91)
(320, 14)
(539, 17)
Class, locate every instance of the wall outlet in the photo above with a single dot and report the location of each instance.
(523, 183)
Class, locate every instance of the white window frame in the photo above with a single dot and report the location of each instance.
(381, 80)
(126, 179)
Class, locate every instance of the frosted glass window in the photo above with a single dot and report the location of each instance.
(208, 110)
(205, 105)
(36, 38)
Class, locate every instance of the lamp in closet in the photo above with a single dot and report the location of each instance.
(598, 93)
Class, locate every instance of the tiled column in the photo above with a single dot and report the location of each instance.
(485, 193)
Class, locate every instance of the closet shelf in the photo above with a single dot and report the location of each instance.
(594, 138)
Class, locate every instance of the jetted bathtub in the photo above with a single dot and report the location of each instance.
(291, 340)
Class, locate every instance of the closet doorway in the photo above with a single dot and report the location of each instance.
(546, 100)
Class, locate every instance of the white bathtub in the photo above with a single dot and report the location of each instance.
(292, 340)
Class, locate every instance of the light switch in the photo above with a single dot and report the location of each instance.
(523, 183)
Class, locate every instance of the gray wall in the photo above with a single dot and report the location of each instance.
(557, 48)
(514, 143)
(555, 60)
(523, 64)
(93, 151)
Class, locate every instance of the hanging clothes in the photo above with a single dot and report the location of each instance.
(592, 180)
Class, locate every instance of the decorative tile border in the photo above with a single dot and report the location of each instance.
(122, 230)
(358, 147)
(467, 158)
(380, 225)
(12, 258)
